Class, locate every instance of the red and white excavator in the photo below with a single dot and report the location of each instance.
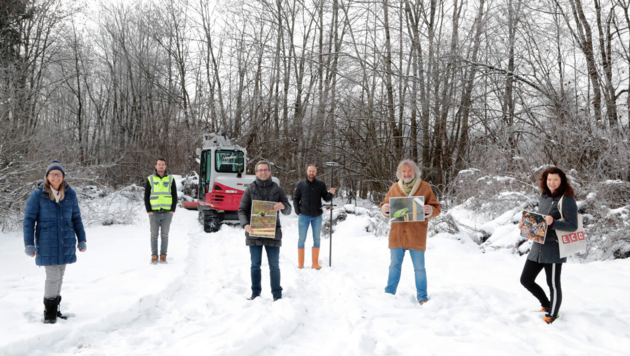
(222, 181)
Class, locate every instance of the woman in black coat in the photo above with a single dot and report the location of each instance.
(554, 185)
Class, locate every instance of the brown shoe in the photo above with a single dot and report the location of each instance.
(154, 259)
(300, 258)
(163, 258)
(316, 258)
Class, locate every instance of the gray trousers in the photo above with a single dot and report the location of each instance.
(160, 220)
(54, 279)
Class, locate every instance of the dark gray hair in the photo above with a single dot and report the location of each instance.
(409, 163)
(262, 162)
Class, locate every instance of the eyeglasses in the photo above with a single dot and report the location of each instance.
(55, 175)
(263, 170)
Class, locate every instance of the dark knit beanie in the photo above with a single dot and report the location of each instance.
(55, 165)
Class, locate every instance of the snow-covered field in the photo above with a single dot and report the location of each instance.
(119, 304)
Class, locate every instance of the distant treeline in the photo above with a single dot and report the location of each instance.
(498, 86)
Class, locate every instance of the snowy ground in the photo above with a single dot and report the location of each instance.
(119, 304)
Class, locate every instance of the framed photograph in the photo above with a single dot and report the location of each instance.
(263, 220)
(534, 227)
(407, 209)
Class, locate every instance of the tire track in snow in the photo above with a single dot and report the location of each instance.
(157, 326)
(208, 313)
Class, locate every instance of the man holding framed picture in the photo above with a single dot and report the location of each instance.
(410, 234)
(263, 189)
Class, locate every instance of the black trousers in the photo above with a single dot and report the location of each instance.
(553, 271)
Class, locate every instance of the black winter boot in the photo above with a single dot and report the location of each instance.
(50, 311)
(59, 315)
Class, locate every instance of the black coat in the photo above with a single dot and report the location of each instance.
(308, 196)
(267, 190)
(549, 252)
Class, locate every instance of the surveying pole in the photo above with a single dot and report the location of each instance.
(332, 165)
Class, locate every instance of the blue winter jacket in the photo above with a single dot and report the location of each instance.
(53, 227)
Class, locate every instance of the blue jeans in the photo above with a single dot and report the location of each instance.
(273, 256)
(316, 224)
(417, 257)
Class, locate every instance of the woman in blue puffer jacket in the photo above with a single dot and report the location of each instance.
(52, 223)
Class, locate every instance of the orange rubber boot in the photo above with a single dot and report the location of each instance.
(316, 258)
(300, 258)
(550, 319)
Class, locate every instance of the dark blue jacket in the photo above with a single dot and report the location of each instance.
(53, 227)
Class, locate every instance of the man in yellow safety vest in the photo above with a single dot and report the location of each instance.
(160, 200)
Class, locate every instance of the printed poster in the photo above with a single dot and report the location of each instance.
(263, 220)
(534, 227)
(407, 209)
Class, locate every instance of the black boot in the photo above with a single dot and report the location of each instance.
(50, 311)
(59, 315)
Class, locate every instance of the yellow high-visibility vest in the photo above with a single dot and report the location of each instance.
(161, 197)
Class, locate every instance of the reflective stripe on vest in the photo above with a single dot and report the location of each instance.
(161, 197)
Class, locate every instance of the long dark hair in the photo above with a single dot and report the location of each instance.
(565, 186)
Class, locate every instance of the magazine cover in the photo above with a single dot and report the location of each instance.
(534, 227)
(263, 220)
(407, 209)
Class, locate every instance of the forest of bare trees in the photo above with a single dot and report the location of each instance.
(502, 86)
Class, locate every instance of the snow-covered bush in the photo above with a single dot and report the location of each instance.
(473, 183)
(188, 187)
(379, 225)
(106, 206)
(443, 223)
(339, 214)
(492, 194)
(483, 203)
(18, 179)
(493, 207)
(606, 217)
